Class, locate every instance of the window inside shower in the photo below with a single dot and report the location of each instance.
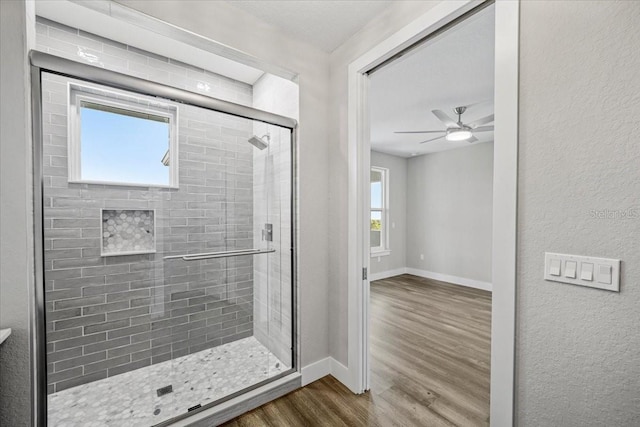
(116, 138)
(163, 293)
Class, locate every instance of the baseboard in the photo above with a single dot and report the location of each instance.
(340, 372)
(387, 274)
(324, 367)
(316, 370)
(462, 281)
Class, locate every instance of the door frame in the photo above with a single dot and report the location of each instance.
(504, 195)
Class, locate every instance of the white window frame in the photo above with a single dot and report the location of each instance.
(78, 94)
(383, 249)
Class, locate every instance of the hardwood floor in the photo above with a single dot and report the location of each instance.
(430, 358)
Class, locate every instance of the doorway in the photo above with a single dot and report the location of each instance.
(504, 189)
(431, 139)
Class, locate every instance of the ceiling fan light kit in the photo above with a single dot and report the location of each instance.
(457, 131)
(458, 134)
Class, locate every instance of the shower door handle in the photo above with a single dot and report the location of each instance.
(224, 254)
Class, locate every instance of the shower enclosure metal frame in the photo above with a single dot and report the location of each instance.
(43, 62)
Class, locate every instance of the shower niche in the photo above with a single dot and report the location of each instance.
(128, 231)
(169, 294)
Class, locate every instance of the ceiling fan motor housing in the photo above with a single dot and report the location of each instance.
(460, 110)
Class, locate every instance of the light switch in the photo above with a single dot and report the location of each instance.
(586, 273)
(570, 269)
(604, 274)
(592, 272)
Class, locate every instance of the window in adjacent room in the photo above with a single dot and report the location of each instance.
(121, 140)
(379, 233)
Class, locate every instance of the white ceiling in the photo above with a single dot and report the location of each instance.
(325, 24)
(456, 68)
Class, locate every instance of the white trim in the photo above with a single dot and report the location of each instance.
(376, 254)
(504, 202)
(4, 334)
(322, 368)
(387, 274)
(339, 371)
(315, 371)
(456, 280)
(505, 193)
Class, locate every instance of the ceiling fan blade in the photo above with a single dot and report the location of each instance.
(444, 118)
(432, 139)
(472, 139)
(480, 122)
(421, 131)
(475, 104)
(483, 129)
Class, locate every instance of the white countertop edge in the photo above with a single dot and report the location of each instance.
(4, 334)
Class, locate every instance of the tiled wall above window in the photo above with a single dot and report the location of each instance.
(77, 45)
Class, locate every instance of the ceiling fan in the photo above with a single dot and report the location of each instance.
(457, 131)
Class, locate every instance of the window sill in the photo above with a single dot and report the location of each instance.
(380, 253)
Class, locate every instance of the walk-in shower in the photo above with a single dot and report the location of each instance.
(167, 270)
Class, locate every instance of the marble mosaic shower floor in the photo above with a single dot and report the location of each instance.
(131, 400)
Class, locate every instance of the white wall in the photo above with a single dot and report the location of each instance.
(449, 212)
(240, 30)
(578, 355)
(17, 35)
(397, 259)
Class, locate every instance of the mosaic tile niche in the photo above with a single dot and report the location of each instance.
(127, 231)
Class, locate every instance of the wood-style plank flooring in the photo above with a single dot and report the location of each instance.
(430, 344)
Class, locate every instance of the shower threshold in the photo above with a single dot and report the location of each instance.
(132, 399)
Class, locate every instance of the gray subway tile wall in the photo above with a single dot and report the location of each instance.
(109, 315)
(272, 274)
(273, 321)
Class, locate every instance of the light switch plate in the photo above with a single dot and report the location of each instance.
(605, 272)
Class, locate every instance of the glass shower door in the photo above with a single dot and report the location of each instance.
(168, 263)
(219, 260)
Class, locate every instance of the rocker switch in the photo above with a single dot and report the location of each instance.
(554, 267)
(604, 274)
(570, 269)
(587, 271)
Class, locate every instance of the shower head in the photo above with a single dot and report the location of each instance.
(258, 142)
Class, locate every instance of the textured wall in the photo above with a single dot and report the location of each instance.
(578, 354)
(397, 212)
(110, 315)
(17, 36)
(449, 212)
